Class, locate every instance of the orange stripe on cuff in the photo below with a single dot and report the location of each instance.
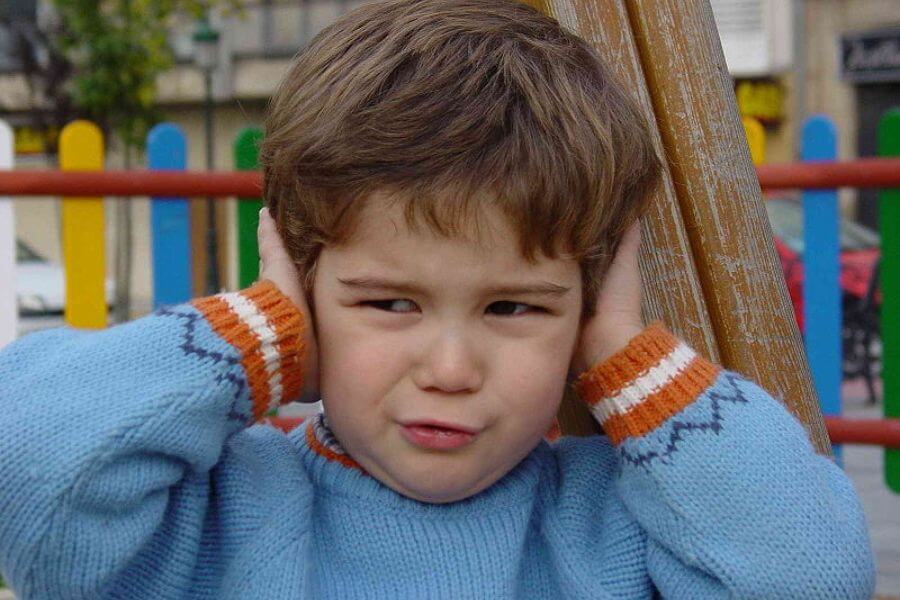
(659, 406)
(289, 327)
(609, 377)
(237, 333)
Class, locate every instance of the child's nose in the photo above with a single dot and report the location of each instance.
(450, 364)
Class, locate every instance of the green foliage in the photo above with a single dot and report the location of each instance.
(119, 48)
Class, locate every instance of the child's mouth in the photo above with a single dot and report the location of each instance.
(435, 437)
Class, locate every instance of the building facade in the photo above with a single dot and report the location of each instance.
(254, 50)
(794, 58)
(789, 59)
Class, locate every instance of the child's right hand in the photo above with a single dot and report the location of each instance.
(276, 266)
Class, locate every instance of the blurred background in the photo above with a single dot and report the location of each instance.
(210, 66)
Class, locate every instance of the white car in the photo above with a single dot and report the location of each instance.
(40, 284)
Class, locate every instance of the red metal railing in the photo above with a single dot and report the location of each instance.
(866, 172)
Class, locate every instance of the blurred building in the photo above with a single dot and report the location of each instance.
(788, 59)
(255, 49)
(795, 58)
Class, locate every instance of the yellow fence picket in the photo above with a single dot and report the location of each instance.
(83, 231)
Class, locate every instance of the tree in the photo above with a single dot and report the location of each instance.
(118, 49)
(47, 72)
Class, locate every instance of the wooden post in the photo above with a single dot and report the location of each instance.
(709, 264)
(721, 203)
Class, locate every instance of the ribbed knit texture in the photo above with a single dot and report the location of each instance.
(129, 469)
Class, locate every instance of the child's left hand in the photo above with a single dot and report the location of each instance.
(618, 311)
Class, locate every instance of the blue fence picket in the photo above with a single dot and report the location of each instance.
(170, 221)
(821, 268)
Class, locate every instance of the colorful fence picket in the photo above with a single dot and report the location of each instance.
(821, 261)
(889, 223)
(170, 220)
(246, 158)
(83, 230)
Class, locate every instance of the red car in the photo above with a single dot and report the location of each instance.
(859, 254)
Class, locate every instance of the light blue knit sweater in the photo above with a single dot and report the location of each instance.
(128, 469)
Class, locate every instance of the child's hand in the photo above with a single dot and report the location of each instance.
(277, 267)
(618, 315)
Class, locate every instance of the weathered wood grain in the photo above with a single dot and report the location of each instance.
(671, 283)
(708, 262)
(721, 203)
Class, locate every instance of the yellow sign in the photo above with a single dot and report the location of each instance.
(762, 100)
(29, 140)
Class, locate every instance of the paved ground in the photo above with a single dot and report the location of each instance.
(865, 466)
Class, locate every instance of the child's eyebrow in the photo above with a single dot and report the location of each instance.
(543, 288)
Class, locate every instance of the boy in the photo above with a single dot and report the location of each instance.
(449, 179)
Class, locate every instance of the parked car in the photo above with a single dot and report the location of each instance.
(40, 283)
(859, 253)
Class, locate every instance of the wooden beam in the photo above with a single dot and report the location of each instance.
(709, 265)
(721, 203)
(672, 289)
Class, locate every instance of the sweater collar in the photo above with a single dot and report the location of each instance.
(332, 470)
(322, 441)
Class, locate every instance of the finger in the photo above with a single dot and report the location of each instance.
(261, 237)
(629, 247)
(632, 238)
(271, 248)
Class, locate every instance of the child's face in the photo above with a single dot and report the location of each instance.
(412, 327)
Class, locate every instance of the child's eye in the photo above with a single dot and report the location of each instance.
(508, 308)
(398, 306)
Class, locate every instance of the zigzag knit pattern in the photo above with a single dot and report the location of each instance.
(190, 347)
(637, 389)
(679, 427)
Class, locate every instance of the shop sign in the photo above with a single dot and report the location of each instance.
(760, 99)
(872, 56)
(30, 140)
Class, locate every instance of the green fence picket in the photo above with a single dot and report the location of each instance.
(889, 227)
(246, 158)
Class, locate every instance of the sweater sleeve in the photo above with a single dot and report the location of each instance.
(100, 428)
(733, 498)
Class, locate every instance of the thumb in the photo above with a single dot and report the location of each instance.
(271, 248)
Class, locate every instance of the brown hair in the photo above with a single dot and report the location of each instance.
(446, 105)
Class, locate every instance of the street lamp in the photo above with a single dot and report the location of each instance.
(206, 57)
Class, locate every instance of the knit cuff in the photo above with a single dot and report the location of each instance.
(652, 378)
(267, 330)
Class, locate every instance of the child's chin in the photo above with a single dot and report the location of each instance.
(441, 495)
(440, 488)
